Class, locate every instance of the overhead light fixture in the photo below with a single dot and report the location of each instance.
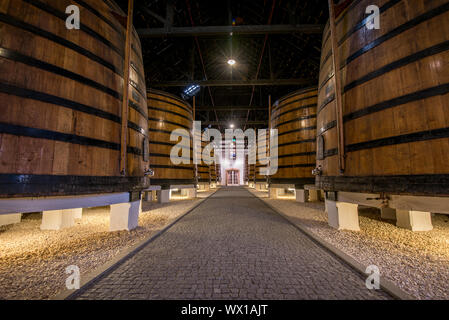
(231, 62)
(231, 126)
(192, 90)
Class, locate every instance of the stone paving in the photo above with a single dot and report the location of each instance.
(232, 247)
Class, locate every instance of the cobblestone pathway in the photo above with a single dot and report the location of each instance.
(232, 247)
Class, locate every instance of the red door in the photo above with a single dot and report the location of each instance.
(232, 177)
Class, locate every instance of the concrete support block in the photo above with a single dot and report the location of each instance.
(273, 193)
(189, 193)
(77, 213)
(163, 196)
(314, 195)
(6, 219)
(343, 215)
(124, 216)
(58, 219)
(388, 213)
(301, 195)
(326, 203)
(414, 220)
(149, 195)
(261, 186)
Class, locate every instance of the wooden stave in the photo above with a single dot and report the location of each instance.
(258, 177)
(296, 141)
(251, 173)
(73, 160)
(417, 142)
(213, 169)
(203, 172)
(161, 123)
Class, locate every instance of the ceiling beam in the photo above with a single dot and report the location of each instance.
(237, 83)
(226, 30)
(231, 108)
(236, 123)
(153, 14)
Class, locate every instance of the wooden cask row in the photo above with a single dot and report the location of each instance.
(262, 155)
(61, 93)
(213, 168)
(252, 173)
(203, 171)
(218, 169)
(395, 93)
(294, 116)
(167, 113)
(245, 169)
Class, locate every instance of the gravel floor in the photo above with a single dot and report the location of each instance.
(417, 262)
(33, 262)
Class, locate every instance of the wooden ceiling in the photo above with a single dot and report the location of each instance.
(284, 59)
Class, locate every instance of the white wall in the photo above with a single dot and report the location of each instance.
(227, 164)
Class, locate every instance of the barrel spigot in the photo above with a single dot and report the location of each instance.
(149, 172)
(317, 171)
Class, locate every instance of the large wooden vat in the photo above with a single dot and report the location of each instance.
(245, 170)
(218, 169)
(294, 116)
(395, 100)
(263, 153)
(61, 99)
(213, 168)
(203, 171)
(167, 113)
(251, 173)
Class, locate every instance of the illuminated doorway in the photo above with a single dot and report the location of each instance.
(232, 177)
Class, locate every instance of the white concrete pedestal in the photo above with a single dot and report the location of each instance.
(77, 213)
(6, 219)
(388, 213)
(163, 196)
(313, 195)
(343, 215)
(414, 220)
(301, 195)
(149, 195)
(58, 219)
(203, 186)
(189, 193)
(124, 216)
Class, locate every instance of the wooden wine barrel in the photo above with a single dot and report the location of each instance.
(294, 116)
(251, 173)
(218, 169)
(61, 98)
(203, 171)
(167, 113)
(395, 100)
(245, 170)
(213, 168)
(262, 156)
